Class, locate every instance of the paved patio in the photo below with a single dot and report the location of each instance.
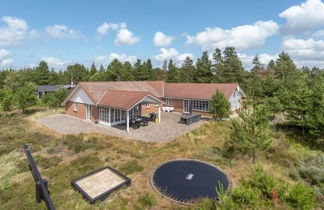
(168, 129)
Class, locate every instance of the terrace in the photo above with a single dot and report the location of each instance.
(167, 130)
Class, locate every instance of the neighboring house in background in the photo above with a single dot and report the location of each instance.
(112, 103)
(44, 89)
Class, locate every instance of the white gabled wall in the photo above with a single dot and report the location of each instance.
(80, 96)
(235, 99)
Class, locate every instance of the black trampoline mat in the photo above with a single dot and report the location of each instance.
(189, 180)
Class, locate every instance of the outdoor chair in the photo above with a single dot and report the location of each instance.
(144, 121)
(134, 124)
(152, 116)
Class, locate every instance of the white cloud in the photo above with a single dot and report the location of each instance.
(14, 32)
(305, 51)
(166, 54)
(181, 57)
(318, 33)
(62, 32)
(4, 53)
(103, 29)
(106, 59)
(242, 37)
(126, 37)
(160, 39)
(55, 62)
(263, 58)
(5, 58)
(303, 18)
(172, 53)
(34, 33)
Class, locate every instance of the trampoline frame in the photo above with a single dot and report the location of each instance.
(172, 199)
(105, 194)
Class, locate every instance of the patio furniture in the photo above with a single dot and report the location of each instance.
(144, 121)
(189, 118)
(152, 116)
(134, 123)
(167, 108)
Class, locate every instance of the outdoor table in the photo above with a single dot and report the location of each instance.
(189, 118)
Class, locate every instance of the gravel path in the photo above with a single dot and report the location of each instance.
(167, 130)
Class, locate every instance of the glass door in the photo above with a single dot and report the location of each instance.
(117, 116)
(104, 115)
(186, 106)
(88, 112)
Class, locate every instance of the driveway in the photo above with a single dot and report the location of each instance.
(168, 129)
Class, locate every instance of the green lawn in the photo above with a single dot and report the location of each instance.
(62, 158)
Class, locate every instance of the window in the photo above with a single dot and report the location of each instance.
(156, 104)
(104, 115)
(148, 105)
(168, 101)
(199, 105)
(75, 107)
(134, 112)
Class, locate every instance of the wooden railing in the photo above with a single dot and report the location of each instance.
(40, 183)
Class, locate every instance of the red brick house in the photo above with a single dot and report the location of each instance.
(112, 103)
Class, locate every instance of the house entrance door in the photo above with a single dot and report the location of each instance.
(88, 112)
(186, 106)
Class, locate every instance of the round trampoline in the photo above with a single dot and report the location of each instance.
(186, 181)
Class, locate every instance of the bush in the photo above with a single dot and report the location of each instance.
(55, 99)
(266, 183)
(146, 201)
(312, 171)
(245, 195)
(219, 106)
(130, 167)
(301, 197)
(251, 132)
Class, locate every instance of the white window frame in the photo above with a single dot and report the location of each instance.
(147, 104)
(200, 105)
(104, 115)
(88, 111)
(75, 107)
(168, 101)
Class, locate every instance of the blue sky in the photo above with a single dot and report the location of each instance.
(66, 32)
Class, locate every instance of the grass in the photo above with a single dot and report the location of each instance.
(130, 167)
(63, 158)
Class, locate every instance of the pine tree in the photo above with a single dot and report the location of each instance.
(165, 65)
(271, 64)
(257, 65)
(250, 133)
(6, 99)
(203, 73)
(101, 69)
(219, 106)
(42, 74)
(128, 72)
(114, 70)
(187, 70)
(284, 67)
(93, 69)
(219, 64)
(173, 72)
(25, 96)
(76, 73)
(232, 67)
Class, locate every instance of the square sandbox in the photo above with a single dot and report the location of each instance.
(98, 184)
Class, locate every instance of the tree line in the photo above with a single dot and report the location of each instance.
(224, 67)
(296, 94)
